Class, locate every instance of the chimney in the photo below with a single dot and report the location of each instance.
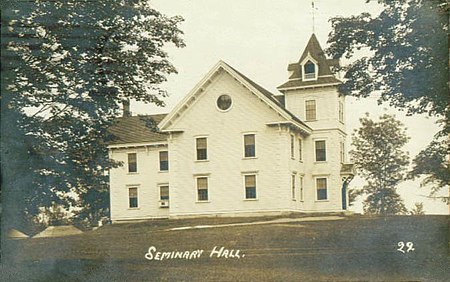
(126, 108)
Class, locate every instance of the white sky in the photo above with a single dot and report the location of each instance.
(260, 38)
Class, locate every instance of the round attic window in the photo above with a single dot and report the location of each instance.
(224, 102)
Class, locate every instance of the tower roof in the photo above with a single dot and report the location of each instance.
(325, 75)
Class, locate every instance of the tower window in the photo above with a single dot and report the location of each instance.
(321, 153)
(310, 109)
(163, 160)
(310, 70)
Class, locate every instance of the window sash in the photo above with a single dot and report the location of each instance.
(202, 153)
(249, 145)
(250, 192)
(163, 160)
(201, 143)
(132, 162)
(164, 193)
(321, 154)
(310, 108)
(250, 181)
(202, 194)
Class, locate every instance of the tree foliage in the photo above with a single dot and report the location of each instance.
(379, 159)
(408, 54)
(66, 66)
(433, 164)
(406, 60)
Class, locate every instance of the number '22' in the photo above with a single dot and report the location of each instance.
(409, 247)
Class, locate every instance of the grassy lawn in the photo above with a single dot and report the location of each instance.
(354, 248)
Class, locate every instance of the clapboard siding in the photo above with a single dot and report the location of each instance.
(146, 180)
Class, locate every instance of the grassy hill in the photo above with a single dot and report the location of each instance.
(352, 248)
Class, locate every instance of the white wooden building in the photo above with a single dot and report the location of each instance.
(230, 147)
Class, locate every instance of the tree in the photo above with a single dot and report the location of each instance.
(433, 164)
(407, 63)
(66, 66)
(379, 158)
(418, 209)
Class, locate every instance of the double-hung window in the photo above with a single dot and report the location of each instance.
(321, 152)
(133, 197)
(250, 186)
(292, 147)
(300, 184)
(341, 111)
(293, 186)
(300, 153)
(321, 186)
(132, 162)
(249, 146)
(164, 192)
(163, 161)
(202, 148)
(310, 110)
(202, 189)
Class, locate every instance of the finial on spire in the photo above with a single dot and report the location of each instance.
(313, 16)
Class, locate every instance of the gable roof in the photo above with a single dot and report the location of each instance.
(269, 95)
(325, 75)
(255, 88)
(137, 129)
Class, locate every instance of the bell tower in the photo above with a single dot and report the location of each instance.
(311, 93)
(311, 90)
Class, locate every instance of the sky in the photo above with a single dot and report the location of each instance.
(260, 38)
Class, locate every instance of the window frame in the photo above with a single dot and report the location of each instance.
(307, 111)
(244, 177)
(197, 149)
(300, 149)
(254, 145)
(316, 178)
(160, 162)
(301, 187)
(217, 103)
(292, 146)
(308, 77)
(208, 198)
(129, 197)
(136, 163)
(315, 150)
(342, 151)
(159, 191)
(293, 186)
(341, 112)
